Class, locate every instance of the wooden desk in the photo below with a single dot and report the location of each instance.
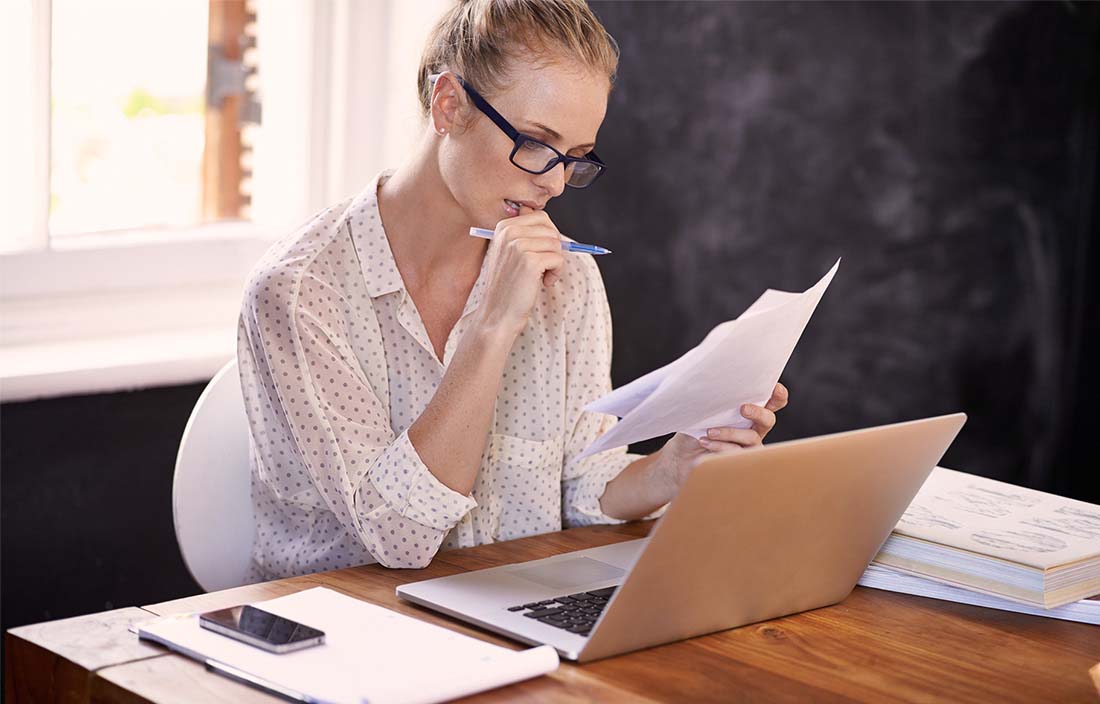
(876, 646)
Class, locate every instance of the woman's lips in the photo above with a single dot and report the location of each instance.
(513, 206)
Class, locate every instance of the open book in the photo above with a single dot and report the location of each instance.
(997, 538)
(370, 654)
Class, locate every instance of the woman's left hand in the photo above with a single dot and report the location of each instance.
(681, 451)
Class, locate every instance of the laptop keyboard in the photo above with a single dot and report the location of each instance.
(576, 613)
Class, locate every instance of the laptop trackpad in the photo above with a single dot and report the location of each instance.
(570, 573)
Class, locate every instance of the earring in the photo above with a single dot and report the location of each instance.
(441, 130)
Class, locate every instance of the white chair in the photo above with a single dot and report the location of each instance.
(211, 491)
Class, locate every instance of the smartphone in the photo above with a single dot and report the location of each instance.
(261, 629)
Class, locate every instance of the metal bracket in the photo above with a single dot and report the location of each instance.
(226, 77)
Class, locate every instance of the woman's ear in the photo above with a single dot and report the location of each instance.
(449, 104)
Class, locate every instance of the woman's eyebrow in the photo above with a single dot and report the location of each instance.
(554, 134)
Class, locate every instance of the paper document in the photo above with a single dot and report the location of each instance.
(370, 654)
(895, 580)
(738, 362)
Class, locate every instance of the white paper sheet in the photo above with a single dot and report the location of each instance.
(895, 580)
(370, 653)
(738, 362)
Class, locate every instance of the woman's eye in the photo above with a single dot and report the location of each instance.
(530, 146)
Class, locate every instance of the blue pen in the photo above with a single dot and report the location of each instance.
(567, 246)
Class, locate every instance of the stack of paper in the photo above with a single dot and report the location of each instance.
(370, 653)
(738, 362)
(894, 580)
(995, 538)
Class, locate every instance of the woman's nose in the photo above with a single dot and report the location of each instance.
(553, 181)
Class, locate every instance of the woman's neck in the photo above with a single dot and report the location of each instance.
(427, 230)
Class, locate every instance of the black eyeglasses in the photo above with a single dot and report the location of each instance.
(537, 157)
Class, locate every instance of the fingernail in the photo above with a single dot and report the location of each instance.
(712, 433)
(747, 411)
(704, 442)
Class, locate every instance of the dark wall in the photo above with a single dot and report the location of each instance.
(947, 151)
(86, 504)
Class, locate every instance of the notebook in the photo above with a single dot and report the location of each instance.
(1008, 541)
(370, 653)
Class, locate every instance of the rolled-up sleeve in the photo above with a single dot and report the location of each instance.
(322, 432)
(588, 377)
(408, 487)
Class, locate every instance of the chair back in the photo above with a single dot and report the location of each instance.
(211, 491)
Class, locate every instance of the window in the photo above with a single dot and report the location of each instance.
(129, 222)
(155, 141)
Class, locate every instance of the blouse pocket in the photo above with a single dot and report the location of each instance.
(524, 485)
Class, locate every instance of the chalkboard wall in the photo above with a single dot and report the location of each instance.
(946, 151)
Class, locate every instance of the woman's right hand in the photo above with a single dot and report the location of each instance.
(525, 255)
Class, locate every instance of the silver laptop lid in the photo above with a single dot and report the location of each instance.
(759, 534)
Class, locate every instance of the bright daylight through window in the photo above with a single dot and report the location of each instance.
(139, 90)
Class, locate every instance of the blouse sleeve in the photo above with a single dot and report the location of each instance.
(312, 410)
(588, 377)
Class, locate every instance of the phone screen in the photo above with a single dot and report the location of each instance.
(261, 628)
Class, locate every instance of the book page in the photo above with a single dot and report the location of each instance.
(1010, 522)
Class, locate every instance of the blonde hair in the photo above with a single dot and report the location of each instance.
(477, 38)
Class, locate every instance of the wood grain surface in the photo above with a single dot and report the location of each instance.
(875, 646)
(52, 662)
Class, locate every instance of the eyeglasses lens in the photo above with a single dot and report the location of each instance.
(534, 157)
(579, 175)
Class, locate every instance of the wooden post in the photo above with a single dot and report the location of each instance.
(221, 158)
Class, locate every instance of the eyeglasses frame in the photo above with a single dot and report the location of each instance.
(519, 138)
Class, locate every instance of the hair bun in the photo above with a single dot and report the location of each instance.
(477, 39)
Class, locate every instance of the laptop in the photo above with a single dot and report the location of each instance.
(751, 536)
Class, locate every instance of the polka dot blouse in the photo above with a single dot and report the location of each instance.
(336, 364)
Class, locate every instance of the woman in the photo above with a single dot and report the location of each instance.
(411, 388)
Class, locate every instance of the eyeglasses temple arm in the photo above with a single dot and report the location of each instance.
(484, 107)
